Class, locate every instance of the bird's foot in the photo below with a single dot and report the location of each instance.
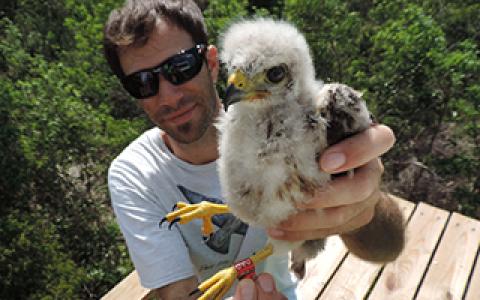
(218, 285)
(183, 213)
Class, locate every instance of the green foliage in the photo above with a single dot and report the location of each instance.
(266, 7)
(401, 66)
(40, 22)
(219, 14)
(333, 33)
(422, 86)
(458, 19)
(60, 135)
(32, 263)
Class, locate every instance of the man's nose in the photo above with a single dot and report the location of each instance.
(168, 93)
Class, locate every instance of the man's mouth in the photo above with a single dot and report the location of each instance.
(182, 115)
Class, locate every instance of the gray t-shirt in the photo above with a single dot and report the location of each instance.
(145, 181)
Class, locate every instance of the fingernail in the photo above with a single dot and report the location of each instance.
(247, 289)
(266, 283)
(333, 161)
(275, 232)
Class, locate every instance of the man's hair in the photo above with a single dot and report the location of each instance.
(132, 24)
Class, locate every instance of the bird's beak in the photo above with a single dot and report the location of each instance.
(235, 89)
(240, 87)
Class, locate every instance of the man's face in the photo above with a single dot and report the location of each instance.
(183, 111)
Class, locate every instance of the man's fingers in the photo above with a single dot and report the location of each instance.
(358, 149)
(334, 217)
(361, 219)
(263, 288)
(347, 190)
(246, 290)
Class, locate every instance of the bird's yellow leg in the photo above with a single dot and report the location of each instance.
(204, 210)
(218, 285)
(262, 254)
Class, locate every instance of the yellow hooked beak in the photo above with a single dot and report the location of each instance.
(239, 80)
(240, 87)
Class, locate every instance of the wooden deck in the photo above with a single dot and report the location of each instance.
(440, 261)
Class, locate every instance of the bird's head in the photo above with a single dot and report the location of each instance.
(258, 87)
(268, 62)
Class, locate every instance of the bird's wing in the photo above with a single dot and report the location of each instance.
(344, 110)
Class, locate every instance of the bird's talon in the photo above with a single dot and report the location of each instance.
(176, 220)
(174, 207)
(194, 292)
(161, 222)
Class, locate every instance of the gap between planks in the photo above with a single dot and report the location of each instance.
(448, 275)
(323, 271)
(401, 278)
(425, 271)
(355, 276)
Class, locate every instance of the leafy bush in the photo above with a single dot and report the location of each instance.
(33, 264)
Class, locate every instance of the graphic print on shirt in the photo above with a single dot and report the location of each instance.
(227, 224)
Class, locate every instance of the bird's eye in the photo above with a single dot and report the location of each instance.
(276, 74)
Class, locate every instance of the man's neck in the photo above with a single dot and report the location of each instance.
(200, 152)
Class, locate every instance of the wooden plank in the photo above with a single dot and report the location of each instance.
(473, 292)
(320, 269)
(406, 206)
(400, 279)
(355, 276)
(448, 274)
(352, 280)
(128, 289)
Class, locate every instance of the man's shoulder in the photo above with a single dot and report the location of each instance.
(139, 153)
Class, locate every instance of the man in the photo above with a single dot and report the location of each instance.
(158, 49)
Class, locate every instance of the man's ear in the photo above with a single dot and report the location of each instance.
(212, 61)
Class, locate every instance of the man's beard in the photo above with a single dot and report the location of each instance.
(182, 132)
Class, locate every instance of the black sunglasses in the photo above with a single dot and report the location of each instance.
(177, 69)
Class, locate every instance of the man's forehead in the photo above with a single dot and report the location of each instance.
(164, 41)
(165, 37)
(166, 30)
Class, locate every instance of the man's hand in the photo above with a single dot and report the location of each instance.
(263, 288)
(348, 202)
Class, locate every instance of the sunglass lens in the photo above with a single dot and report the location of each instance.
(182, 68)
(142, 85)
(177, 69)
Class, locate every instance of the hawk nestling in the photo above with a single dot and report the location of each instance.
(278, 121)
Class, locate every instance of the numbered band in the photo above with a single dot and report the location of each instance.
(245, 269)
